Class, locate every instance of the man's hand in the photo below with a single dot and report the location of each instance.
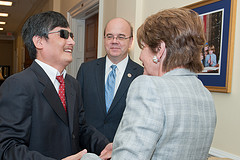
(76, 156)
(107, 152)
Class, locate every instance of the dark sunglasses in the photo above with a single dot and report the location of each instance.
(63, 34)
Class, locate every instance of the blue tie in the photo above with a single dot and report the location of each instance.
(110, 86)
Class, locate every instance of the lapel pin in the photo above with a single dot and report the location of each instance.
(129, 75)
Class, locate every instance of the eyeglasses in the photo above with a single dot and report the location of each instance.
(63, 33)
(119, 37)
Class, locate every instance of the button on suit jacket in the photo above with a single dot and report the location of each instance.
(34, 124)
(91, 76)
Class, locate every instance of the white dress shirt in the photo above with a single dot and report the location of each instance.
(52, 73)
(121, 66)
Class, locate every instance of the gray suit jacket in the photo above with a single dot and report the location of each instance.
(166, 118)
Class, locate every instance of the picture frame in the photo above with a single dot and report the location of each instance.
(219, 19)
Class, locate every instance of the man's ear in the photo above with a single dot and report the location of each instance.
(130, 42)
(37, 40)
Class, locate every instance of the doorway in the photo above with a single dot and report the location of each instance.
(83, 20)
(91, 38)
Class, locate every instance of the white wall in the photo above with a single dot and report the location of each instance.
(126, 11)
(108, 12)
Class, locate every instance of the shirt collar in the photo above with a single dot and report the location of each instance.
(51, 71)
(120, 66)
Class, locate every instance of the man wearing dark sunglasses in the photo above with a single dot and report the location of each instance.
(41, 114)
(63, 33)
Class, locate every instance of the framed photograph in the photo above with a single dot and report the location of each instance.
(219, 18)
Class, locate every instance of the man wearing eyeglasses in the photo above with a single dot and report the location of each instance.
(105, 81)
(41, 114)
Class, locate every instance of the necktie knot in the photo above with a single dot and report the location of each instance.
(60, 79)
(113, 70)
(113, 67)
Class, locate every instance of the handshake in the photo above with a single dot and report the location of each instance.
(105, 154)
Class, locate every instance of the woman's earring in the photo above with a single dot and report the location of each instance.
(155, 59)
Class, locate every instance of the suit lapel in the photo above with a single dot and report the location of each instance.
(55, 102)
(71, 99)
(100, 80)
(49, 92)
(127, 78)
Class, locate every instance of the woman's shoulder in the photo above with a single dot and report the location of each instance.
(146, 80)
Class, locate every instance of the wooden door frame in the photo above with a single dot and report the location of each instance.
(81, 11)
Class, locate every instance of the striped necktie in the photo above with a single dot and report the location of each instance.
(110, 86)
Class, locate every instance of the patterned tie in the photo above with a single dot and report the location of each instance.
(61, 91)
(109, 87)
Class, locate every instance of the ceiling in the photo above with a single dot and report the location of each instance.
(18, 12)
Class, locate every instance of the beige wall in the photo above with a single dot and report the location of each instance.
(126, 10)
(108, 12)
(66, 5)
(56, 5)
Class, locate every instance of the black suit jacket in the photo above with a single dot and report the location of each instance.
(91, 76)
(34, 124)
